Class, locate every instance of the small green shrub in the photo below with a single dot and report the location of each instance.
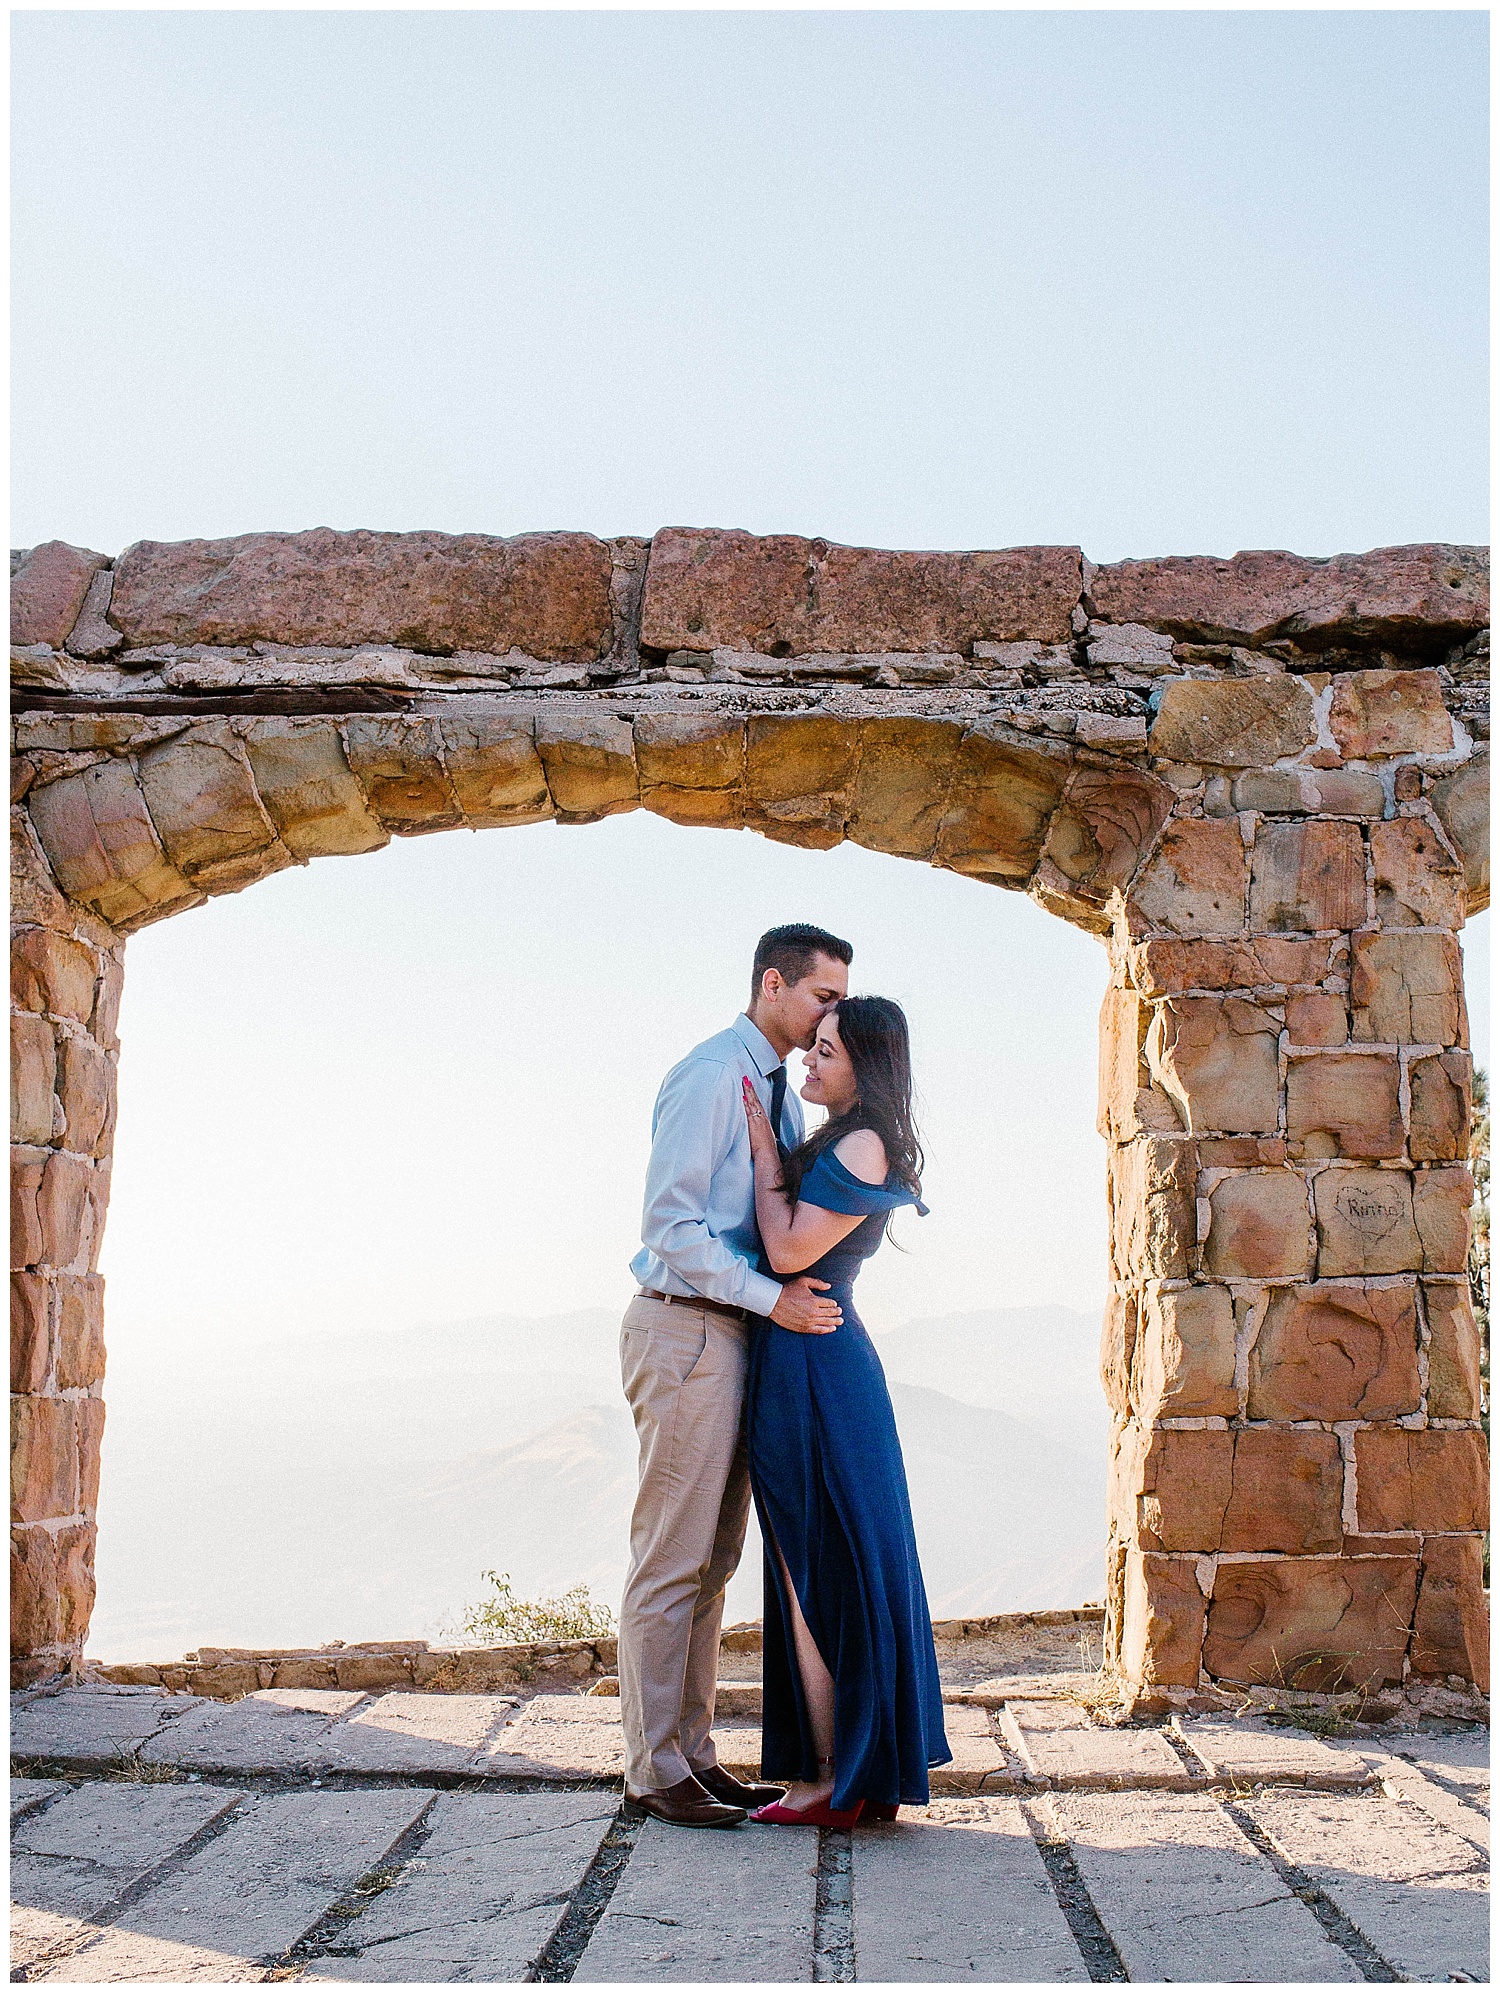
(503, 1619)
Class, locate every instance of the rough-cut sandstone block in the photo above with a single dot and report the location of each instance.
(47, 592)
(1163, 968)
(1389, 712)
(1164, 1618)
(1116, 1347)
(1258, 1227)
(86, 1087)
(1336, 1350)
(1417, 881)
(546, 594)
(309, 789)
(1452, 1628)
(1405, 989)
(1441, 1200)
(203, 802)
(1184, 1357)
(66, 1205)
(1441, 1105)
(105, 1020)
(1453, 1351)
(1151, 1183)
(93, 636)
(1106, 824)
(1187, 1478)
(1002, 799)
(1462, 802)
(1307, 877)
(1288, 1492)
(901, 790)
(80, 1330)
(398, 760)
(30, 1333)
(1311, 1623)
(496, 772)
(799, 779)
(1317, 1017)
(75, 1582)
(49, 972)
(590, 764)
(1393, 592)
(33, 1079)
(34, 1595)
(692, 767)
(103, 848)
(89, 1414)
(1215, 1057)
(1335, 792)
(27, 1168)
(43, 1459)
(1233, 722)
(783, 595)
(1195, 883)
(1436, 1479)
(1344, 1106)
(1365, 1222)
(1128, 1104)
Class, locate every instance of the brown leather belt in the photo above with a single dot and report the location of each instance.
(693, 1301)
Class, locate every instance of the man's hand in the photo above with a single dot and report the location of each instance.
(805, 1310)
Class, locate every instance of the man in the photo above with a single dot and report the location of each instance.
(683, 1350)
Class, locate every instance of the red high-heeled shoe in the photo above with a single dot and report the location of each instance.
(821, 1815)
(877, 1809)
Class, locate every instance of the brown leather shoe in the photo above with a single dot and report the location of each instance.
(687, 1804)
(734, 1792)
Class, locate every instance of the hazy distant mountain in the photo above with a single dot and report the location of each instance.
(357, 1487)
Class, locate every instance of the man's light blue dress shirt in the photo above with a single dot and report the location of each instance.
(699, 1223)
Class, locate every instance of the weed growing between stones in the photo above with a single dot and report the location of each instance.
(504, 1618)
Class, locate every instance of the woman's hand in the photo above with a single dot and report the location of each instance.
(762, 1140)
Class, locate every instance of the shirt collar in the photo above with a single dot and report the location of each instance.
(758, 1045)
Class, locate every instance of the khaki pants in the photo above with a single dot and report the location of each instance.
(684, 1374)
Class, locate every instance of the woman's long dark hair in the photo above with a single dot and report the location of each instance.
(873, 1031)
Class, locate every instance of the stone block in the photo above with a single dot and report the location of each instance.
(1108, 820)
(86, 1083)
(70, 1207)
(786, 596)
(1462, 802)
(27, 1168)
(590, 763)
(1194, 885)
(1165, 1613)
(1453, 1351)
(93, 635)
(1365, 1223)
(309, 789)
(1441, 1201)
(1308, 877)
(30, 1333)
(1434, 1479)
(103, 849)
(1344, 1105)
(90, 1847)
(51, 972)
(1165, 968)
(34, 898)
(43, 1459)
(1216, 1058)
(1336, 1350)
(79, 1330)
(496, 772)
(1288, 1492)
(1441, 1106)
(1317, 1017)
(1379, 713)
(1390, 594)
(1078, 1758)
(106, 1017)
(1311, 1623)
(1128, 1104)
(1405, 989)
(372, 1671)
(1184, 1356)
(902, 784)
(47, 592)
(34, 1600)
(1001, 802)
(1336, 792)
(1258, 1227)
(1240, 1152)
(546, 594)
(33, 1079)
(1151, 1184)
(1245, 1754)
(75, 1583)
(1186, 1483)
(1233, 722)
(1452, 1627)
(1418, 882)
(692, 766)
(1116, 1347)
(203, 802)
(799, 779)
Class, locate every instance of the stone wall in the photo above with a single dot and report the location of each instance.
(1262, 782)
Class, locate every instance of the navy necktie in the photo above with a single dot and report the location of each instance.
(778, 1096)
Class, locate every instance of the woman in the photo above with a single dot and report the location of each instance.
(853, 1707)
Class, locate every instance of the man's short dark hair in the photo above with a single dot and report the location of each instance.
(790, 951)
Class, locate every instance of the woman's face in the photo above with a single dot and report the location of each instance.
(830, 1070)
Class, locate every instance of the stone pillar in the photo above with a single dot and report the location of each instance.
(1297, 1483)
(66, 972)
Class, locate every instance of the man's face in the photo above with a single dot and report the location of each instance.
(801, 1007)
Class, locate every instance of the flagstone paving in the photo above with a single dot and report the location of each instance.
(398, 1837)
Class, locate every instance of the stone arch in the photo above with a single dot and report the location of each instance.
(1258, 782)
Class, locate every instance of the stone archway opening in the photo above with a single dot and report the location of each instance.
(1259, 782)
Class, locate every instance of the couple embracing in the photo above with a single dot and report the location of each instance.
(750, 1374)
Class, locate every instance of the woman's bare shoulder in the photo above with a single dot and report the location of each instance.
(863, 1154)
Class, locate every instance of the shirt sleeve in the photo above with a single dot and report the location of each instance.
(693, 1127)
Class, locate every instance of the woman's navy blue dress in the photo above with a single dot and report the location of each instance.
(830, 1491)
